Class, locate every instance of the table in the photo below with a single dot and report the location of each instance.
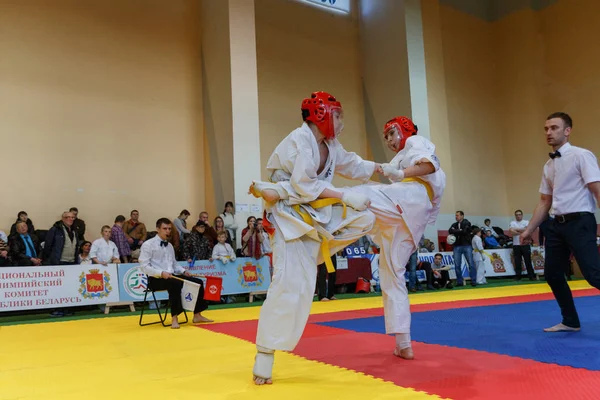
(357, 267)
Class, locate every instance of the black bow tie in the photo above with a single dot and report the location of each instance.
(555, 154)
(164, 243)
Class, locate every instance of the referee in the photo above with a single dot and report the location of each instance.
(570, 182)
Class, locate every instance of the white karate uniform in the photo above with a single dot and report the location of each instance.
(477, 245)
(223, 251)
(296, 244)
(104, 250)
(402, 211)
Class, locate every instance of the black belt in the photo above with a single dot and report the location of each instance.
(561, 219)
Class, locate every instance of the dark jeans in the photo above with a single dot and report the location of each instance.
(579, 237)
(523, 252)
(467, 251)
(4, 262)
(174, 287)
(412, 269)
(326, 289)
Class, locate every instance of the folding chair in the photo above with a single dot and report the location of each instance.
(162, 317)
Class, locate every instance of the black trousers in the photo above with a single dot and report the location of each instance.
(579, 237)
(426, 266)
(174, 287)
(325, 281)
(523, 252)
(443, 281)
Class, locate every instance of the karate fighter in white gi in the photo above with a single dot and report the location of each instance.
(402, 210)
(307, 217)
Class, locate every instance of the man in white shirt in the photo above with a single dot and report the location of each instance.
(104, 250)
(570, 182)
(157, 259)
(521, 251)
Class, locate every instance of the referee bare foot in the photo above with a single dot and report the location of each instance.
(175, 325)
(198, 318)
(561, 328)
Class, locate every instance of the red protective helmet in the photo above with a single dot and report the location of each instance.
(404, 126)
(319, 109)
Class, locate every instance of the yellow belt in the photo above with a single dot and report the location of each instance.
(424, 183)
(320, 203)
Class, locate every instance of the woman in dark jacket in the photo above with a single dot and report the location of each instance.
(196, 245)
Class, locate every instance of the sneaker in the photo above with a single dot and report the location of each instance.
(436, 285)
(449, 285)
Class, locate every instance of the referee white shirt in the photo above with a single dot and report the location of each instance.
(518, 225)
(566, 178)
(104, 250)
(156, 258)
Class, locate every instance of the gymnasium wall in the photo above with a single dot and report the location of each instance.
(100, 103)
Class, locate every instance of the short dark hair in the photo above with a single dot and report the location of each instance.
(120, 218)
(519, 211)
(73, 209)
(438, 254)
(487, 220)
(564, 116)
(185, 212)
(104, 227)
(461, 213)
(132, 211)
(161, 221)
(475, 230)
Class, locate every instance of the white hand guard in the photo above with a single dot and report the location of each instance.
(224, 260)
(392, 172)
(232, 258)
(357, 201)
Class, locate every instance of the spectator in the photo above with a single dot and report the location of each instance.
(426, 266)
(411, 266)
(223, 250)
(104, 251)
(22, 216)
(84, 257)
(120, 240)
(461, 229)
(4, 250)
(521, 251)
(490, 241)
(210, 233)
(441, 273)
(252, 240)
(61, 246)
(196, 245)
(181, 224)
(487, 226)
(25, 249)
(135, 231)
(477, 245)
(175, 241)
(219, 226)
(230, 224)
(266, 244)
(326, 281)
(78, 224)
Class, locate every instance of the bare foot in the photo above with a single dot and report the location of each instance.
(406, 353)
(333, 298)
(561, 328)
(262, 381)
(199, 319)
(175, 325)
(324, 299)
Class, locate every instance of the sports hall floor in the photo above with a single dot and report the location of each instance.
(483, 343)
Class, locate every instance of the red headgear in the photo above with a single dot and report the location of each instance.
(318, 109)
(404, 126)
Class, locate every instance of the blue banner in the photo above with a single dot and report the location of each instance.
(244, 275)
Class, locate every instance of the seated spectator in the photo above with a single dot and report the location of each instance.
(426, 266)
(441, 274)
(4, 259)
(180, 224)
(135, 231)
(490, 241)
(120, 240)
(223, 250)
(22, 216)
(78, 224)
(157, 260)
(61, 246)
(25, 249)
(103, 250)
(252, 240)
(210, 233)
(487, 226)
(219, 225)
(84, 256)
(229, 220)
(196, 245)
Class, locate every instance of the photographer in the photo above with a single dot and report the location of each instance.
(252, 240)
